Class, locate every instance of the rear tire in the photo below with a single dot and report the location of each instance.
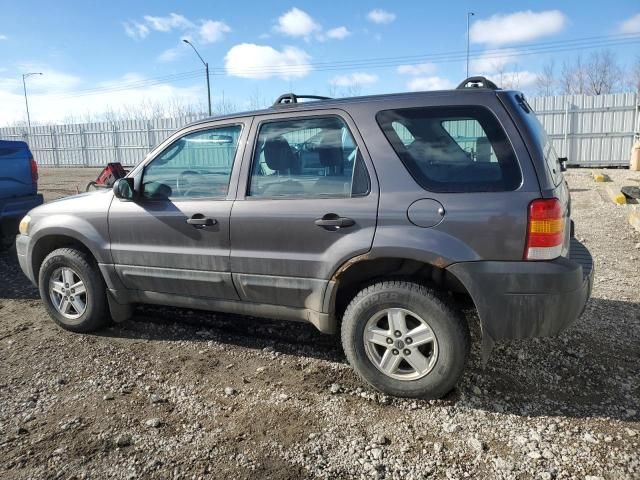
(73, 291)
(404, 340)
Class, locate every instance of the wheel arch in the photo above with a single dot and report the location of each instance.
(362, 270)
(46, 244)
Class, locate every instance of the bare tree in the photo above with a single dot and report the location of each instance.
(603, 74)
(546, 79)
(256, 100)
(573, 78)
(633, 76)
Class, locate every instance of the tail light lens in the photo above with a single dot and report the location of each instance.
(545, 230)
(34, 171)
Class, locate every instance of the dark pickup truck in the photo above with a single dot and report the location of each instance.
(18, 188)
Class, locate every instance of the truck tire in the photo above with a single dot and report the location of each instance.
(404, 340)
(73, 291)
(8, 232)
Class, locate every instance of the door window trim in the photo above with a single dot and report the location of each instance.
(245, 124)
(273, 118)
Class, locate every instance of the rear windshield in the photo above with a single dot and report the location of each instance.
(452, 149)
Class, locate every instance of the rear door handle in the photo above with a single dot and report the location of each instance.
(200, 221)
(331, 221)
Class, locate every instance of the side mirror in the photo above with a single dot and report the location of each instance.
(563, 163)
(123, 188)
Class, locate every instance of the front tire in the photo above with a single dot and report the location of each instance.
(403, 340)
(73, 291)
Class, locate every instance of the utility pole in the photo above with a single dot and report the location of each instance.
(26, 102)
(206, 69)
(469, 15)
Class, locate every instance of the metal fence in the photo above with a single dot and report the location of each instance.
(588, 130)
(591, 130)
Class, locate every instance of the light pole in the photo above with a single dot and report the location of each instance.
(469, 15)
(26, 102)
(206, 69)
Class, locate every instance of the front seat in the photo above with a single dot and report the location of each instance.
(280, 157)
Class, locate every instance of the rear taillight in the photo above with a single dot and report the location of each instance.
(34, 171)
(545, 230)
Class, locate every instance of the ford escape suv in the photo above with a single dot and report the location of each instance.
(369, 215)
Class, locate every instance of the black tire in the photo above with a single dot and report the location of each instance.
(7, 242)
(8, 232)
(448, 326)
(96, 314)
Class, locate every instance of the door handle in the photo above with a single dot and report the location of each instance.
(333, 222)
(200, 221)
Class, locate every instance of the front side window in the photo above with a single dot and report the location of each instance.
(452, 149)
(308, 158)
(197, 165)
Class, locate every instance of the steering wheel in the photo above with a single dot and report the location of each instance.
(183, 183)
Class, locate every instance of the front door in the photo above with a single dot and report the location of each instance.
(307, 202)
(175, 237)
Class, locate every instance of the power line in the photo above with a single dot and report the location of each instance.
(584, 43)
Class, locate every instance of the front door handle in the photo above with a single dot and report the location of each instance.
(200, 221)
(333, 222)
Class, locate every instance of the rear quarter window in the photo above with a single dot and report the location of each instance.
(452, 149)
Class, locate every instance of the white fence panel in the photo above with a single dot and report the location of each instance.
(588, 130)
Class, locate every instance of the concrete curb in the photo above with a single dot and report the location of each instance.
(634, 218)
(616, 196)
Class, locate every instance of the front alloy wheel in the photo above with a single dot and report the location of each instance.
(73, 290)
(68, 293)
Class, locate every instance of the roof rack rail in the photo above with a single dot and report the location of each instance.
(477, 82)
(289, 98)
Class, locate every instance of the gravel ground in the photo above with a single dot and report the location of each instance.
(184, 394)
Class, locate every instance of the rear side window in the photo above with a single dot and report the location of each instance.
(452, 149)
(307, 158)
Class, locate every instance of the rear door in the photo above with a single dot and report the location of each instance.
(175, 237)
(307, 202)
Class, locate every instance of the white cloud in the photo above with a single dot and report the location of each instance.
(418, 69)
(516, 79)
(489, 63)
(170, 54)
(297, 23)
(381, 16)
(516, 27)
(51, 80)
(168, 23)
(52, 101)
(631, 25)
(429, 83)
(338, 33)
(212, 31)
(206, 31)
(3, 37)
(354, 79)
(248, 60)
(136, 30)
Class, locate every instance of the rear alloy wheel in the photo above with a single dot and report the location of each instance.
(400, 344)
(73, 290)
(404, 340)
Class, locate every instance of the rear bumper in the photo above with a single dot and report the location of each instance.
(529, 299)
(19, 206)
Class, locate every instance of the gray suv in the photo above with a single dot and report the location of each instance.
(375, 216)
